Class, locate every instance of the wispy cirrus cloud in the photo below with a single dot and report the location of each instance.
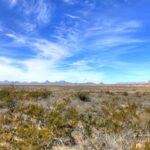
(16, 38)
(70, 1)
(69, 42)
(43, 11)
(31, 15)
(12, 3)
(42, 47)
(72, 16)
(116, 41)
(40, 10)
(49, 49)
(112, 28)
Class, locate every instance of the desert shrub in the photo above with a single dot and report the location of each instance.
(34, 110)
(88, 123)
(32, 137)
(63, 122)
(7, 97)
(147, 110)
(39, 94)
(147, 145)
(109, 93)
(7, 104)
(117, 118)
(83, 96)
(125, 93)
(138, 94)
(4, 93)
(10, 104)
(34, 128)
(23, 95)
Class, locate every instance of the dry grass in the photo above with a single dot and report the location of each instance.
(81, 118)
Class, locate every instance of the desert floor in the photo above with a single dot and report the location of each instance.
(104, 117)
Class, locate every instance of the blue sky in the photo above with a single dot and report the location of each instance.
(75, 40)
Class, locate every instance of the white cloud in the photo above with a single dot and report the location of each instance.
(116, 41)
(72, 16)
(75, 17)
(70, 37)
(80, 63)
(70, 1)
(84, 64)
(28, 27)
(111, 27)
(132, 24)
(109, 33)
(9, 72)
(40, 11)
(5, 60)
(15, 37)
(39, 69)
(12, 2)
(49, 49)
(42, 47)
(100, 34)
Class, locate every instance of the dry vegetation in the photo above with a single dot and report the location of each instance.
(74, 118)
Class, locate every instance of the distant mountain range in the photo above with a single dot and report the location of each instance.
(6, 82)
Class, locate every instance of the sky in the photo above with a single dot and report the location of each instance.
(75, 40)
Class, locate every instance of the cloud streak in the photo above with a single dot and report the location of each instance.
(42, 10)
(70, 1)
(13, 2)
(15, 37)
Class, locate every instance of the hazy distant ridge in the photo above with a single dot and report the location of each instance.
(6, 82)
